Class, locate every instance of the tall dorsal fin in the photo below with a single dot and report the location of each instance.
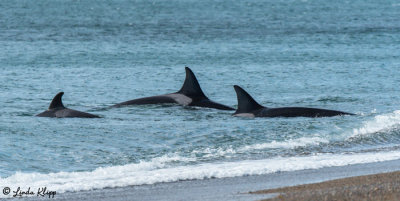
(56, 102)
(246, 103)
(191, 86)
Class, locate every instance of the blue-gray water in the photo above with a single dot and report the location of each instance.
(341, 55)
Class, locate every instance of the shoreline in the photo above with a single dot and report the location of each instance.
(381, 186)
(233, 188)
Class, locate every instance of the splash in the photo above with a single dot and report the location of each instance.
(379, 123)
(159, 170)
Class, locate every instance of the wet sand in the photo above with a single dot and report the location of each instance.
(384, 186)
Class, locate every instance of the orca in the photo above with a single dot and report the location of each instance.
(248, 107)
(189, 95)
(57, 109)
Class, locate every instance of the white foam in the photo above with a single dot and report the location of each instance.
(289, 144)
(215, 152)
(379, 123)
(158, 170)
(230, 151)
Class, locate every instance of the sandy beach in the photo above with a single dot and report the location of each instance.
(384, 186)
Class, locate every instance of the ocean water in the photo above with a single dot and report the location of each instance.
(341, 55)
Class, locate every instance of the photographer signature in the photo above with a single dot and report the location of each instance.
(40, 192)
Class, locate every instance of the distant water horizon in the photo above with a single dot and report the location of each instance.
(340, 55)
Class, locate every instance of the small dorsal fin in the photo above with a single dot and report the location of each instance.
(191, 86)
(246, 103)
(56, 102)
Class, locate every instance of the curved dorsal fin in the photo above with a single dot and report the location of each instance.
(57, 102)
(191, 86)
(246, 103)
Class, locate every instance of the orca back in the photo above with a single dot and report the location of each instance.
(57, 109)
(300, 112)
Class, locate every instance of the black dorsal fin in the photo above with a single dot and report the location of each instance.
(246, 103)
(191, 86)
(57, 102)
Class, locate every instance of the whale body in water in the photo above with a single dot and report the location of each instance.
(189, 95)
(57, 109)
(248, 107)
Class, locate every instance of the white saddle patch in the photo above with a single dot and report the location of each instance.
(180, 99)
(61, 113)
(244, 115)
